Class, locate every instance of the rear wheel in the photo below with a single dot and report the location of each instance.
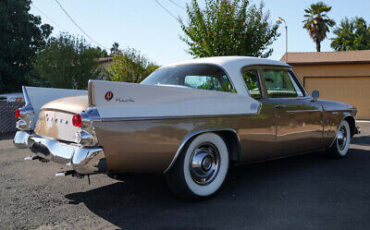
(340, 146)
(201, 169)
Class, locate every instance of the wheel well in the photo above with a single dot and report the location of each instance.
(352, 124)
(231, 140)
(233, 144)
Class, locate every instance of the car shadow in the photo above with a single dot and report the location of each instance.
(361, 140)
(280, 194)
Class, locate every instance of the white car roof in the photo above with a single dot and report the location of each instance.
(233, 66)
(225, 61)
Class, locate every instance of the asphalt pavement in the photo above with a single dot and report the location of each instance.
(304, 192)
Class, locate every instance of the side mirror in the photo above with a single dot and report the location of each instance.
(315, 95)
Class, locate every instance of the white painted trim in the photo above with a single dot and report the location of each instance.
(142, 101)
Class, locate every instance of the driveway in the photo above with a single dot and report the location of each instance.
(305, 192)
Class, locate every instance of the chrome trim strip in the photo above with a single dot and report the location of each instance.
(112, 119)
(303, 111)
(290, 98)
(188, 137)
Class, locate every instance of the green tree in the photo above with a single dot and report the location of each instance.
(351, 35)
(22, 36)
(66, 62)
(130, 66)
(317, 22)
(226, 27)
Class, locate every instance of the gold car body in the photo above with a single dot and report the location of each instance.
(281, 127)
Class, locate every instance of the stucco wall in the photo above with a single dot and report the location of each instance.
(332, 70)
(348, 83)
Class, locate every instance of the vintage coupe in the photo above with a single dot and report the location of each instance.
(189, 121)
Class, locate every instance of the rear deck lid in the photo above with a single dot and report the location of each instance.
(55, 118)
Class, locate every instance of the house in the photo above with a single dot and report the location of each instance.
(342, 76)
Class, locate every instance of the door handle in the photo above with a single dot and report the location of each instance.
(278, 106)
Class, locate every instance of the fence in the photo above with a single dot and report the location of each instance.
(7, 117)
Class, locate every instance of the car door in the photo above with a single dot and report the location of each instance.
(298, 118)
(258, 132)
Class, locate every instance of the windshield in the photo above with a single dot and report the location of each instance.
(198, 76)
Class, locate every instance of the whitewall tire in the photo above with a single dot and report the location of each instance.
(341, 144)
(201, 169)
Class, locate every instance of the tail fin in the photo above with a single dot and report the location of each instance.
(36, 97)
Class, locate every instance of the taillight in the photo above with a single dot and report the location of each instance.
(17, 113)
(77, 120)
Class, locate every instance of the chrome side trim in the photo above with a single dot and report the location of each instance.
(303, 111)
(112, 119)
(191, 135)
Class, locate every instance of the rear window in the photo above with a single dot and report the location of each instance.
(198, 76)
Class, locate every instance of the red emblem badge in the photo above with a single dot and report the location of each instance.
(109, 96)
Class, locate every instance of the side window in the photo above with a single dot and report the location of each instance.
(252, 82)
(280, 83)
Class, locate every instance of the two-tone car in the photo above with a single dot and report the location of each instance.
(190, 121)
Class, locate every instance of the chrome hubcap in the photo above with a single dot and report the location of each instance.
(342, 138)
(204, 163)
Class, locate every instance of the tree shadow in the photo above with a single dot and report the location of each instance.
(278, 194)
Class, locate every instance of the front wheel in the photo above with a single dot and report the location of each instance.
(340, 146)
(201, 168)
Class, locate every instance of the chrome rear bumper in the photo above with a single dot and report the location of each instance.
(83, 160)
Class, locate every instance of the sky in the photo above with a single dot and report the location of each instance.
(145, 26)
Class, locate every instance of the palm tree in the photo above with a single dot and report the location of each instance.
(317, 22)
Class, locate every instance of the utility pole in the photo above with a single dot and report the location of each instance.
(279, 20)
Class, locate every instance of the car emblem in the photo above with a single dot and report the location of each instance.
(109, 96)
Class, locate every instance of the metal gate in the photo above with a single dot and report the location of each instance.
(7, 116)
